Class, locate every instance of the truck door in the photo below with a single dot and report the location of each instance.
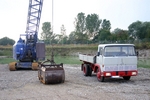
(99, 59)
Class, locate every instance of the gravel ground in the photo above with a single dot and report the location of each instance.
(24, 85)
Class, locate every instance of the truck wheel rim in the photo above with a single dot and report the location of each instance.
(98, 75)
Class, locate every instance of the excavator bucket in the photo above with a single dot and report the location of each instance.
(51, 73)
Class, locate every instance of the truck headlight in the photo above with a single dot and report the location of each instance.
(133, 73)
(108, 74)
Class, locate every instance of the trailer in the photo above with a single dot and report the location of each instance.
(111, 61)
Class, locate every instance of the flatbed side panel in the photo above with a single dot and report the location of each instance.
(86, 58)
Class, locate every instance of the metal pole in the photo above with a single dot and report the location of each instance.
(52, 15)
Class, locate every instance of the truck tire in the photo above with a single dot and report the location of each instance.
(99, 77)
(85, 70)
(89, 70)
(126, 77)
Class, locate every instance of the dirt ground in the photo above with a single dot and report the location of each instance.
(24, 85)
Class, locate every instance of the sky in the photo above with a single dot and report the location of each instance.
(120, 13)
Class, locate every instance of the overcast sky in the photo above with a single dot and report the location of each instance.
(120, 13)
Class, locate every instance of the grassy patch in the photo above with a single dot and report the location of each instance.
(57, 59)
(144, 63)
(6, 60)
(67, 60)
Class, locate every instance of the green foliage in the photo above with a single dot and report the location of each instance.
(47, 34)
(102, 35)
(144, 63)
(6, 41)
(6, 51)
(71, 39)
(80, 23)
(91, 29)
(67, 50)
(67, 60)
(6, 60)
(106, 25)
(79, 35)
(121, 35)
(139, 30)
(92, 25)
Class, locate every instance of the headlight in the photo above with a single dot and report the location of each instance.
(108, 74)
(133, 73)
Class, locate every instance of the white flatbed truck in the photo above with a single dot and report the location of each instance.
(111, 60)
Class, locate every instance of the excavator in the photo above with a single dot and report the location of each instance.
(28, 51)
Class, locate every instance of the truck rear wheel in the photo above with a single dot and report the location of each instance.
(85, 70)
(99, 77)
(126, 77)
(89, 70)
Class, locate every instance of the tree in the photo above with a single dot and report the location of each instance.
(102, 35)
(80, 35)
(144, 31)
(147, 30)
(139, 30)
(63, 33)
(47, 33)
(71, 37)
(6, 41)
(116, 31)
(134, 29)
(120, 35)
(80, 23)
(92, 25)
(106, 25)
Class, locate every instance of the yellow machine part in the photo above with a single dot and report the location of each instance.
(35, 66)
(12, 66)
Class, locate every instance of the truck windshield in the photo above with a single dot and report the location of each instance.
(125, 50)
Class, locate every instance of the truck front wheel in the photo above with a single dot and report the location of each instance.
(99, 77)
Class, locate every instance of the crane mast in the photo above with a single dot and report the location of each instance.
(33, 19)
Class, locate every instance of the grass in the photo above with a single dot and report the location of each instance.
(57, 59)
(6, 60)
(144, 63)
(61, 54)
(67, 60)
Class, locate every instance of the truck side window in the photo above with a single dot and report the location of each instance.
(100, 51)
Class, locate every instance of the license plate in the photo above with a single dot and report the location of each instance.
(115, 76)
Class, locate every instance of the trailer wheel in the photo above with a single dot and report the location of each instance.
(126, 77)
(85, 69)
(99, 77)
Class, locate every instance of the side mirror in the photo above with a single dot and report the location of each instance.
(98, 53)
(137, 53)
